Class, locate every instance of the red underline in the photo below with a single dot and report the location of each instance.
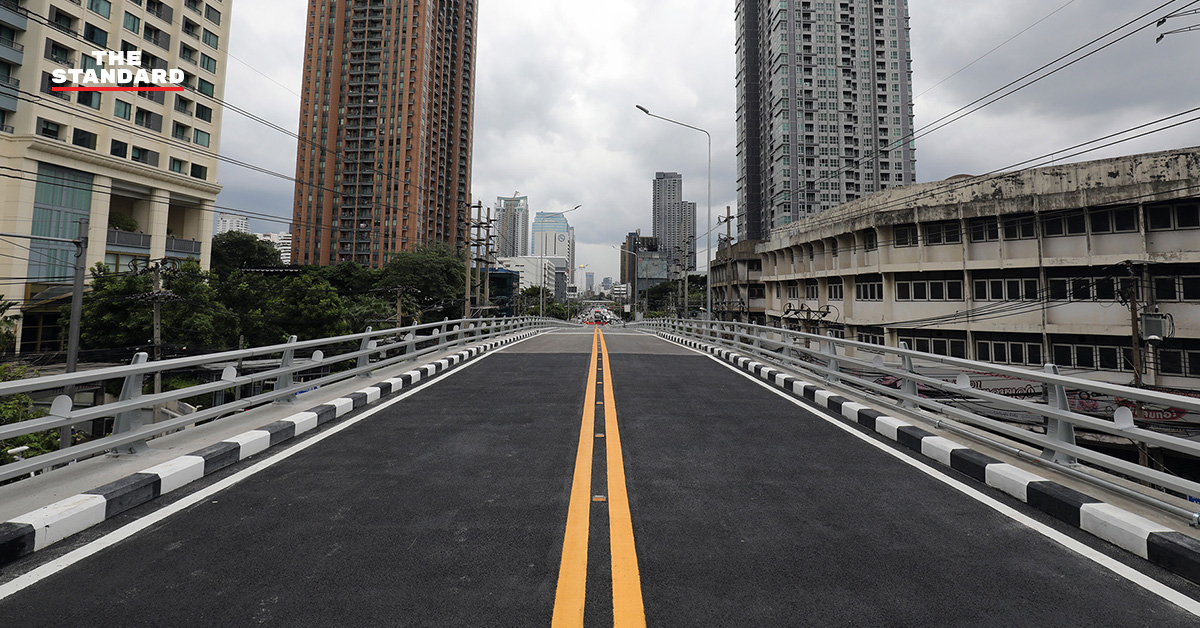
(117, 89)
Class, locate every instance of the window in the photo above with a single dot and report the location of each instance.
(148, 119)
(84, 139)
(58, 53)
(945, 232)
(201, 137)
(187, 53)
(1168, 217)
(119, 149)
(208, 63)
(133, 23)
(870, 240)
(95, 35)
(177, 165)
(904, 235)
(1003, 288)
(122, 109)
(49, 129)
(812, 290)
(101, 7)
(836, 290)
(203, 112)
(180, 131)
(868, 288)
(1118, 220)
(1166, 289)
(929, 287)
(91, 99)
(1058, 224)
(984, 230)
(210, 38)
(212, 14)
(1020, 227)
(1191, 289)
(145, 156)
(205, 87)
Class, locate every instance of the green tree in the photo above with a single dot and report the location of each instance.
(118, 312)
(350, 279)
(233, 250)
(115, 312)
(17, 408)
(432, 276)
(8, 325)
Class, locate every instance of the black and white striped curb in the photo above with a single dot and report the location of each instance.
(45, 526)
(1160, 545)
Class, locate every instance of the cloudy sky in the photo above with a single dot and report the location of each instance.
(557, 82)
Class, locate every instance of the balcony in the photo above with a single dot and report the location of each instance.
(181, 246)
(128, 239)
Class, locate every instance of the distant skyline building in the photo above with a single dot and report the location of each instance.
(282, 242)
(589, 284)
(384, 153)
(674, 219)
(232, 222)
(512, 226)
(553, 236)
(824, 107)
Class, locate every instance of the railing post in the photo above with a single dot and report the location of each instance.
(1057, 429)
(284, 381)
(364, 360)
(130, 420)
(908, 386)
(832, 378)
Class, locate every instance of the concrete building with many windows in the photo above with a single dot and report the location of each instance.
(384, 158)
(232, 222)
(512, 226)
(674, 219)
(535, 271)
(1020, 268)
(553, 236)
(738, 293)
(282, 242)
(140, 166)
(824, 106)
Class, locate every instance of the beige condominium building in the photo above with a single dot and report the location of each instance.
(1020, 268)
(141, 166)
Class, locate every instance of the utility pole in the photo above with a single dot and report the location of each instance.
(81, 243)
(1135, 323)
(486, 289)
(157, 333)
(64, 434)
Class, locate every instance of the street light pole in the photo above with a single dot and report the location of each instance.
(708, 223)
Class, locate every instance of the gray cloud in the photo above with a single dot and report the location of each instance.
(556, 85)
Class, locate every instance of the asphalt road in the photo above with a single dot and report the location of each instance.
(448, 508)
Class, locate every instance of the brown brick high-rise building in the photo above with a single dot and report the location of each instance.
(384, 158)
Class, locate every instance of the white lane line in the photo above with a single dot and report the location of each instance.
(1164, 591)
(42, 572)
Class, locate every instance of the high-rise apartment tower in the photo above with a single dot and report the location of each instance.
(384, 158)
(674, 219)
(512, 226)
(824, 106)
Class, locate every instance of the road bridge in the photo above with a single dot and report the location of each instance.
(581, 477)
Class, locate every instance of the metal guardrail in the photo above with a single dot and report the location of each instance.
(374, 350)
(894, 373)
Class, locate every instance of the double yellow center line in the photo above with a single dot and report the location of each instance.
(570, 595)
